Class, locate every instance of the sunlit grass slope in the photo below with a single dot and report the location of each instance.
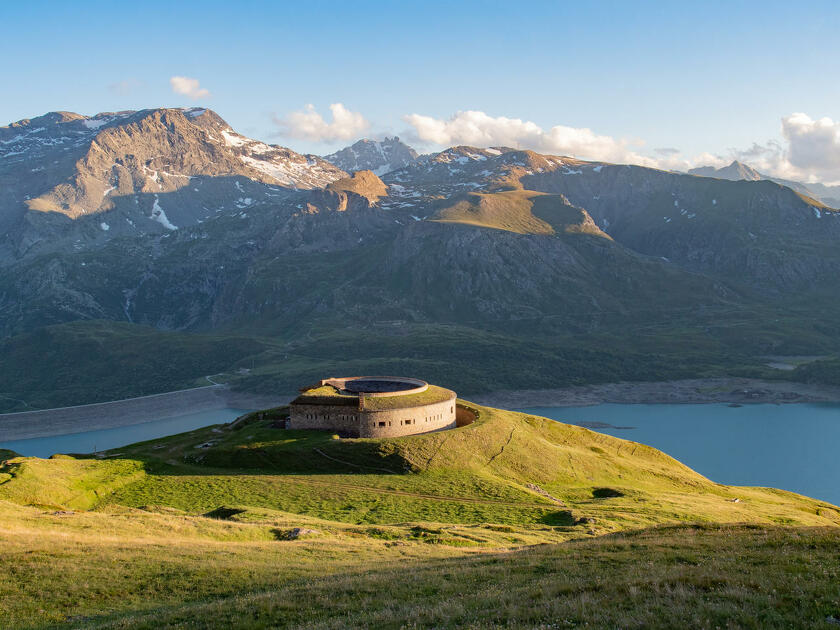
(506, 467)
(520, 211)
(255, 526)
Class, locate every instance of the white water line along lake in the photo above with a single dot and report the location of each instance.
(795, 447)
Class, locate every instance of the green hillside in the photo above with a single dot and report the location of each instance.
(227, 526)
(95, 361)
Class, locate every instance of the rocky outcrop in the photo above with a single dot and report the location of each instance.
(362, 183)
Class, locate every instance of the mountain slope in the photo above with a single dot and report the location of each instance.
(492, 248)
(760, 234)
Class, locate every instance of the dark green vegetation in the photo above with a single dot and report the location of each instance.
(53, 366)
(826, 371)
(513, 520)
(94, 361)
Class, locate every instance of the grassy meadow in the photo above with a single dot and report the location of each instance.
(512, 521)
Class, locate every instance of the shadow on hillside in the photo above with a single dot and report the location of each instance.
(299, 452)
(563, 518)
(258, 443)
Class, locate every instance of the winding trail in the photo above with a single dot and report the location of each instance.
(502, 450)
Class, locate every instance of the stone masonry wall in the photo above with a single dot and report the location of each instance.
(408, 421)
(386, 423)
(342, 419)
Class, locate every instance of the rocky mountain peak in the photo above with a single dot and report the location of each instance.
(134, 173)
(378, 156)
(736, 171)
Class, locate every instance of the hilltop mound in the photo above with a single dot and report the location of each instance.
(505, 467)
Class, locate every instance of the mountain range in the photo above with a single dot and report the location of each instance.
(165, 229)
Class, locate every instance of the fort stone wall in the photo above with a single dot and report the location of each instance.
(408, 420)
(341, 419)
(348, 420)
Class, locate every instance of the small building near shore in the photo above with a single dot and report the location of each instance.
(373, 406)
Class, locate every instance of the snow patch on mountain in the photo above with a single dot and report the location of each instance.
(233, 139)
(159, 215)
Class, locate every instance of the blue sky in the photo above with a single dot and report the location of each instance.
(704, 78)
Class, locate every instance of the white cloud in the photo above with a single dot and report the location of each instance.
(813, 145)
(310, 125)
(188, 87)
(809, 151)
(477, 128)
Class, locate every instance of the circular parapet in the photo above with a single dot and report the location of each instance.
(379, 386)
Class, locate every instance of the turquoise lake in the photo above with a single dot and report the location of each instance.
(105, 439)
(794, 447)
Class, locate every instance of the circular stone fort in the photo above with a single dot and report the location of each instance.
(373, 406)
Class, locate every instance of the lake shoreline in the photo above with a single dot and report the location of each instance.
(107, 415)
(736, 391)
(44, 423)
